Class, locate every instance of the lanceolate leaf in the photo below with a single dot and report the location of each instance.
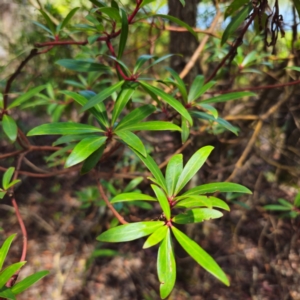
(170, 100)
(178, 22)
(26, 96)
(82, 65)
(234, 6)
(173, 172)
(6, 293)
(84, 149)
(277, 207)
(158, 61)
(235, 23)
(92, 160)
(104, 94)
(132, 197)
(192, 167)
(223, 187)
(4, 249)
(122, 100)
(156, 237)
(129, 232)
(153, 168)
(28, 281)
(181, 85)
(7, 178)
(48, 21)
(195, 88)
(63, 128)
(124, 33)
(227, 97)
(222, 122)
(163, 201)
(8, 272)
(133, 184)
(151, 125)
(99, 113)
(132, 140)
(140, 61)
(200, 256)
(135, 116)
(202, 90)
(185, 130)
(208, 201)
(68, 17)
(166, 266)
(210, 109)
(10, 127)
(197, 215)
(297, 200)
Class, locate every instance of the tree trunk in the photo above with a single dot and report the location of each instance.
(183, 43)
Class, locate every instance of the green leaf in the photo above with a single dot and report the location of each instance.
(220, 121)
(48, 21)
(10, 127)
(92, 160)
(166, 266)
(28, 281)
(6, 293)
(153, 168)
(125, 197)
(170, 100)
(185, 130)
(82, 65)
(182, 2)
(65, 139)
(68, 17)
(276, 207)
(145, 2)
(195, 200)
(129, 232)
(111, 12)
(133, 184)
(156, 237)
(173, 172)
(163, 201)
(197, 215)
(7, 178)
(195, 88)
(297, 200)
(192, 167)
(228, 97)
(104, 94)
(124, 33)
(84, 149)
(28, 95)
(122, 100)
(14, 182)
(2, 193)
(4, 249)
(210, 109)
(202, 90)
(63, 128)
(151, 125)
(200, 256)
(178, 22)
(294, 68)
(141, 61)
(235, 23)
(8, 272)
(43, 27)
(181, 85)
(132, 140)
(234, 6)
(99, 111)
(158, 61)
(222, 187)
(285, 203)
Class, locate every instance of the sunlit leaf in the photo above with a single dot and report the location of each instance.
(163, 201)
(197, 215)
(63, 128)
(4, 249)
(7, 178)
(192, 167)
(200, 256)
(9, 271)
(125, 197)
(10, 127)
(151, 125)
(84, 149)
(28, 281)
(132, 140)
(195, 88)
(68, 17)
(166, 266)
(173, 172)
(156, 237)
(129, 232)
(133, 184)
(92, 160)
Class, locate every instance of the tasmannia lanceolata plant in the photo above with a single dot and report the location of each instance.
(117, 99)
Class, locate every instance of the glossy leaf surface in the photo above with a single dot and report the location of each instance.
(124, 197)
(197, 215)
